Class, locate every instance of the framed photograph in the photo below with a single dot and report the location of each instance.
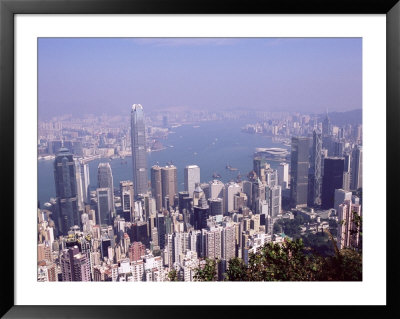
(161, 155)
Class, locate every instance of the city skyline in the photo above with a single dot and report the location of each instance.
(207, 73)
(230, 169)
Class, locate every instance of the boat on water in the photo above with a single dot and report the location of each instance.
(216, 175)
(229, 167)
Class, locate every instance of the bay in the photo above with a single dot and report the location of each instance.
(211, 146)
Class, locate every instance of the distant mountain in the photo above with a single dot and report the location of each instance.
(353, 117)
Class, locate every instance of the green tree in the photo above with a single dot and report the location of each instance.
(283, 262)
(237, 270)
(207, 272)
(173, 275)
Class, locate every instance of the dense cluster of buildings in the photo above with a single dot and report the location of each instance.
(143, 228)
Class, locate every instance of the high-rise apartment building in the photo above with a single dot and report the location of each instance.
(191, 177)
(75, 266)
(348, 235)
(299, 171)
(66, 191)
(138, 146)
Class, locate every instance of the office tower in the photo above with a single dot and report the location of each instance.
(348, 233)
(332, 179)
(200, 214)
(315, 173)
(231, 189)
(341, 196)
(338, 148)
(127, 198)
(299, 171)
(169, 185)
(79, 186)
(181, 201)
(326, 126)
(274, 198)
(216, 189)
(104, 206)
(259, 165)
(75, 266)
(191, 177)
(239, 201)
(356, 168)
(206, 189)
(85, 182)
(105, 180)
(160, 224)
(66, 190)
(347, 162)
(138, 146)
(156, 189)
(283, 175)
(216, 206)
(258, 192)
(197, 194)
(271, 177)
(136, 251)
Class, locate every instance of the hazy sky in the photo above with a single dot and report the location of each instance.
(108, 75)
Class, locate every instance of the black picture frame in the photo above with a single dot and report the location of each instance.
(8, 8)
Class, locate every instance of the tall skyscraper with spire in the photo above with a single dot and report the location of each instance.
(138, 144)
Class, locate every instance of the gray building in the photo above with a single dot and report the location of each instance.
(66, 191)
(138, 146)
(105, 180)
(104, 211)
(315, 173)
(356, 168)
(156, 189)
(299, 171)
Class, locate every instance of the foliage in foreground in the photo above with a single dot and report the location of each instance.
(290, 261)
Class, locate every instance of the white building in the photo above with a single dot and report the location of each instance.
(191, 177)
(231, 189)
(283, 175)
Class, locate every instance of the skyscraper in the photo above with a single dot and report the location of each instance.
(283, 175)
(105, 180)
(315, 173)
(299, 171)
(138, 146)
(191, 177)
(66, 190)
(85, 182)
(169, 184)
(356, 168)
(104, 206)
(156, 189)
(127, 198)
(332, 179)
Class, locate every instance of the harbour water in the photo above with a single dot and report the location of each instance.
(210, 145)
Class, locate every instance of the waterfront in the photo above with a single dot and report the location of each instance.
(211, 145)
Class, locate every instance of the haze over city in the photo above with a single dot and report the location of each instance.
(107, 75)
(200, 160)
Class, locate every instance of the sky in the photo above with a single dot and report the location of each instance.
(107, 75)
